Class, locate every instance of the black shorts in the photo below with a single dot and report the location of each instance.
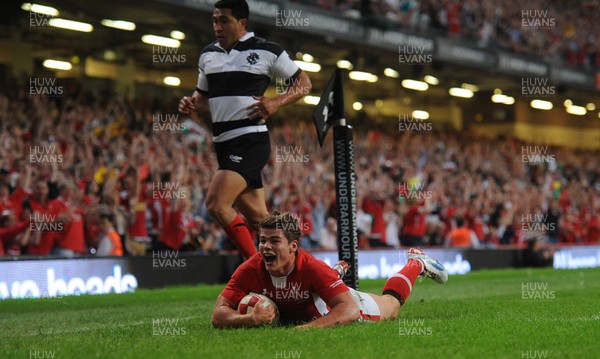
(246, 155)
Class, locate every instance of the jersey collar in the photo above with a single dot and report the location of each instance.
(241, 39)
(246, 36)
(285, 276)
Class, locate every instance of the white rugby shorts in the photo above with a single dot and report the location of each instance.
(369, 311)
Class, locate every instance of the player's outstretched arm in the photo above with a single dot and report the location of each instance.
(343, 311)
(226, 316)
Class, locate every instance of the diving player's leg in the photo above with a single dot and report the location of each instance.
(431, 267)
(398, 287)
(341, 267)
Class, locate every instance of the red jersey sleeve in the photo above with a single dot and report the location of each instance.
(238, 285)
(326, 282)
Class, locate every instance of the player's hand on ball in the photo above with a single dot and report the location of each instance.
(186, 105)
(263, 313)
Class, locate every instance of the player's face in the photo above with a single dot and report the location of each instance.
(227, 28)
(278, 254)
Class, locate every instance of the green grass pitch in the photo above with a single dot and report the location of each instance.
(486, 314)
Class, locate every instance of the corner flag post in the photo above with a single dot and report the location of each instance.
(329, 111)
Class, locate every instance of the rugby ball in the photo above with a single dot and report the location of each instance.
(247, 304)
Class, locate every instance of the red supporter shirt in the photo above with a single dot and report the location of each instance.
(8, 234)
(158, 208)
(138, 227)
(72, 237)
(307, 224)
(375, 208)
(295, 298)
(593, 234)
(47, 239)
(414, 222)
(175, 227)
(14, 202)
(476, 224)
(91, 232)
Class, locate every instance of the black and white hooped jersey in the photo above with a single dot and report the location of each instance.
(229, 80)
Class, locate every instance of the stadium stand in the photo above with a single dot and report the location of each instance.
(410, 187)
(572, 38)
(107, 145)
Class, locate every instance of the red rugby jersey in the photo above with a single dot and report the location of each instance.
(294, 294)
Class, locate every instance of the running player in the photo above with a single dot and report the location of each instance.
(234, 72)
(306, 291)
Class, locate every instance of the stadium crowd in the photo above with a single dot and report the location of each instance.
(557, 31)
(110, 177)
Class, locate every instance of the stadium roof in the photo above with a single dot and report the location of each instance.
(159, 18)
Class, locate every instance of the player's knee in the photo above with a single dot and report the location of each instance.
(214, 207)
(217, 211)
(254, 221)
(211, 201)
